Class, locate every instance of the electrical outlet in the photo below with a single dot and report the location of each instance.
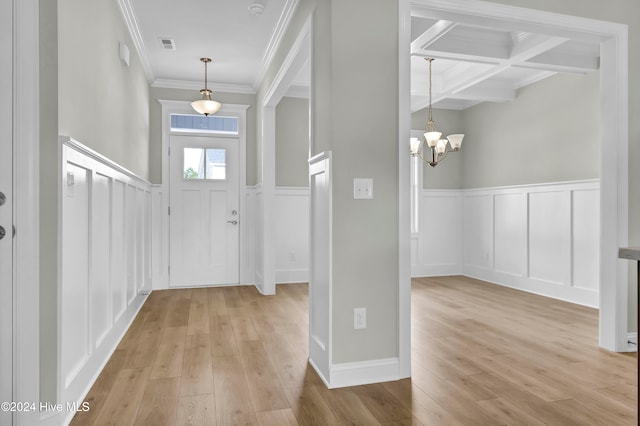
(362, 189)
(359, 318)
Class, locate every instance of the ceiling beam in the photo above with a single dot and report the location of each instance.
(434, 33)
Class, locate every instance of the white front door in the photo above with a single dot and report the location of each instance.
(204, 214)
(6, 210)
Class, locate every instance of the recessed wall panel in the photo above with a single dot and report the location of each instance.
(549, 236)
(586, 241)
(509, 228)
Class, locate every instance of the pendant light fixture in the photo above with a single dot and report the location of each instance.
(206, 105)
(438, 148)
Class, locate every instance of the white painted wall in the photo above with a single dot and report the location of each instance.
(105, 264)
(292, 234)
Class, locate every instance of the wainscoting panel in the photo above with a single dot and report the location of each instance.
(259, 240)
(510, 233)
(477, 229)
(292, 234)
(538, 238)
(105, 247)
(436, 247)
(549, 236)
(585, 213)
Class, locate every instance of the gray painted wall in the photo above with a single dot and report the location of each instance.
(550, 133)
(102, 103)
(292, 142)
(48, 199)
(155, 120)
(448, 174)
(365, 232)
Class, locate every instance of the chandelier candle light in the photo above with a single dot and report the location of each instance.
(438, 147)
(206, 105)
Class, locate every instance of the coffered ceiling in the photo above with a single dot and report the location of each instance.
(475, 60)
(488, 63)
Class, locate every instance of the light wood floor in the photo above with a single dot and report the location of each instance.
(482, 355)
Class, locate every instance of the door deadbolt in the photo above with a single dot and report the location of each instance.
(234, 212)
(2, 232)
(3, 198)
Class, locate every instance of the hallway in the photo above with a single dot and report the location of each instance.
(482, 354)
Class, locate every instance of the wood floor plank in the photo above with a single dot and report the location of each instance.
(266, 391)
(197, 370)
(159, 402)
(233, 405)
(122, 403)
(196, 410)
(347, 407)
(223, 339)
(309, 407)
(282, 417)
(168, 361)
(381, 403)
(198, 322)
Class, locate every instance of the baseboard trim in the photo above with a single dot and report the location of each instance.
(632, 340)
(364, 372)
(286, 276)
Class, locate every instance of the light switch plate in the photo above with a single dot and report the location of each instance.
(362, 188)
(359, 318)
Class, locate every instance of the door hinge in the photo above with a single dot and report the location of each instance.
(169, 270)
(169, 151)
(169, 210)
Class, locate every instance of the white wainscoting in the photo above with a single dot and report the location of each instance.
(436, 247)
(248, 234)
(258, 238)
(105, 263)
(292, 234)
(540, 238)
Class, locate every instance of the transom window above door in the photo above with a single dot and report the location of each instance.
(204, 164)
(192, 123)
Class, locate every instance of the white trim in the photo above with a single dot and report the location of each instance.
(363, 372)
(184, 107)
(632, 342)
(404, 195)
(276, 38)
(26, 206)
(192, 85)
(129, 16)
(614, 89)
(297, 56)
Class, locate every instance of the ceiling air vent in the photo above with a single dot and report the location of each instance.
(167, 43)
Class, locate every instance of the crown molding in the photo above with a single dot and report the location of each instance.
(129, 16)
(276, 38)
(191, 85)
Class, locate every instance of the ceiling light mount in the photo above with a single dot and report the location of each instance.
(438, 147)
(256, 7)
(206, 105)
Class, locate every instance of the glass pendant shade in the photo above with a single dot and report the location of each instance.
(441, 146)
(432, 138)
(414, 145)
(455, 141)
(206, 105)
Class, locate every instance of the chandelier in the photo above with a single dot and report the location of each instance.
(436, 149)
(206, 105)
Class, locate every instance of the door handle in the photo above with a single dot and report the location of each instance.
(233, 222)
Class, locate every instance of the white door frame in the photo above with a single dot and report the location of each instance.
(298, 56)
(230, 110)
(26, 151)
(614, 145)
